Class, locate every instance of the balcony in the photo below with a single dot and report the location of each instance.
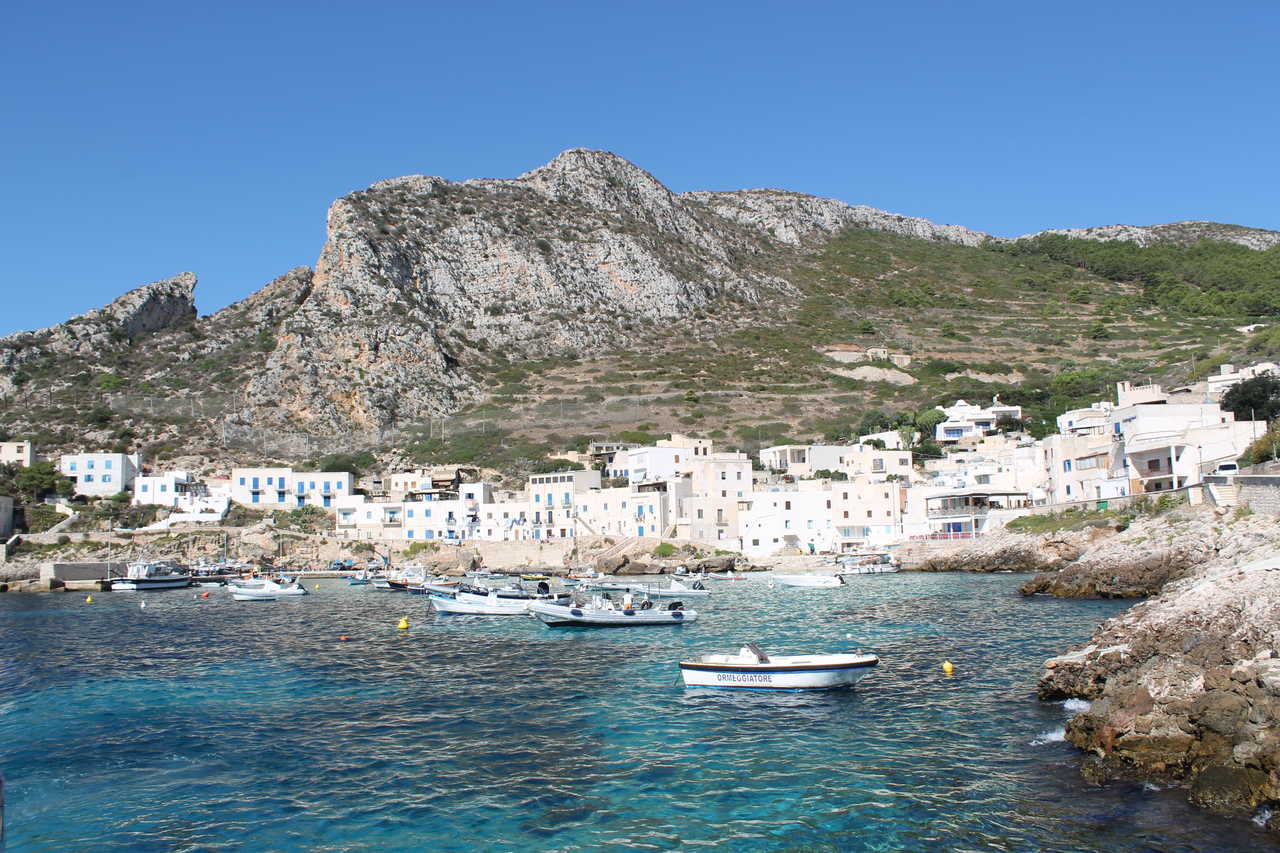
(392, 522)
(952, 511)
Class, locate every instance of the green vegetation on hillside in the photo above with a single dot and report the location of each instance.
(1206, 278)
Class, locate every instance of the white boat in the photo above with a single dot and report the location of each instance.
(810, 581)
(868, 563)
(489, 605)
(148, 575)
(607, 586)
(752, 669)
(602, 614)
(266, 585)
(676, 590)
(242, 594)
(725, 576)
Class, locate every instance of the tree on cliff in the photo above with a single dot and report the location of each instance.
(1254, 399)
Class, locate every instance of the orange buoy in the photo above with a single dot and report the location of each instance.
(204, 595)
(343, 638)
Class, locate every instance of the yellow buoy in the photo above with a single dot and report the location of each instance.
(404, 624)
(947, 667)
(317, 586)
(88, 599)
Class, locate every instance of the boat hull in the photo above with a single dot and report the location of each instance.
(502, 607)
(776, 676)
(558, 616)
(808, 581)
(143, 584)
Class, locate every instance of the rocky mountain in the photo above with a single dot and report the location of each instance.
(432, 296)
(1179, 233)
(150, 308)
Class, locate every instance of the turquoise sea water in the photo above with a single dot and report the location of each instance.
(217, 725)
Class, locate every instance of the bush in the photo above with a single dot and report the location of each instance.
(664, 550)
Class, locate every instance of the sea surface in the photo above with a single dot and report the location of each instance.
(207, 724)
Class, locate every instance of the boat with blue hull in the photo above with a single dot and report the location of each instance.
(752, 669)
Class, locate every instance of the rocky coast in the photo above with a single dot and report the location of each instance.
(1184, 687)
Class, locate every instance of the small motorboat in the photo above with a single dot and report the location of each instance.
(809, 581)
(601, 613)
(752, 669)
(490, 605)
(535, 577)
(607, 586)
(246, 594)
(268, 586)
(868, 563)
(677, 590)
(726, 576)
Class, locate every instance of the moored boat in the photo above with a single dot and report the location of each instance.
(676, 590)
(247, 594)
(868, 563)
(601, 613)
(726, 576)
(810, 581)
(147, 575)
(489, 605)
(752, 669)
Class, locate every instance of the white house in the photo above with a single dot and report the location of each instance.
(1227, 376)
(1089, 421)
(20, 453)
(284, 488)
(966, 420)
(100, 474)
(793, 520)
(1084, 466)
(180, 490)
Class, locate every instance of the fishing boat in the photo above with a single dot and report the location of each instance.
(145, 575)
(752, 669)
(601, 613)
(810, 581)
(677, 590)
(489, 605)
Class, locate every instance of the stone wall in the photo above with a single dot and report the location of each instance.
(1260, 493)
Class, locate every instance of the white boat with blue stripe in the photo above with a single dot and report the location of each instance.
(601, 613)
(752, 669)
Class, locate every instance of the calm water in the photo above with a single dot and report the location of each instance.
(216, 725)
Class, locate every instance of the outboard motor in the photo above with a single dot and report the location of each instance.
(646, 605)
(544, 588)
(698, 585)
(676, 605)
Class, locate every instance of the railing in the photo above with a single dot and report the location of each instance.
(965, 511)
(929, 537)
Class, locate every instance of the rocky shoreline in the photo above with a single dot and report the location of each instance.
(1185, 686)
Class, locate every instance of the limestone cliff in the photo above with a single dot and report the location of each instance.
(1182, 233)
(150, 308)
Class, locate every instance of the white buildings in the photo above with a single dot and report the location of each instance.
(20, 453)
(100, 474)
(283, 488)
(1227, 376)
(179, 490)
(966, 420)
(1171, 445)
(800, 460)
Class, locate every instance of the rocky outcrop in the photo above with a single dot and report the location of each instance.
(1154, 551)
(150, 308)
(1185, 688)
(1007, 551)
(1181, 233)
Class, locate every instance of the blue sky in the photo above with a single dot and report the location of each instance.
(143, 139)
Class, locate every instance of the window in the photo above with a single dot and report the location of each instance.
(1153, 464)
(408, 513)
(1066, 464)
(755, 541)
(89, 464)
(107, 464)
(787, 505)
(145, 488)
(846, 513)
(699, 514)
(902, 461)
(828, 504)
(88, 478)
(269, 481)
(164, 487)
(408, 534)
(868, 513)
(73, 467)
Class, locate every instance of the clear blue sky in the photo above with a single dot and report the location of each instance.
(143, 139)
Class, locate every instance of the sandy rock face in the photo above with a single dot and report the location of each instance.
(1186, 686)
(1016, 552)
